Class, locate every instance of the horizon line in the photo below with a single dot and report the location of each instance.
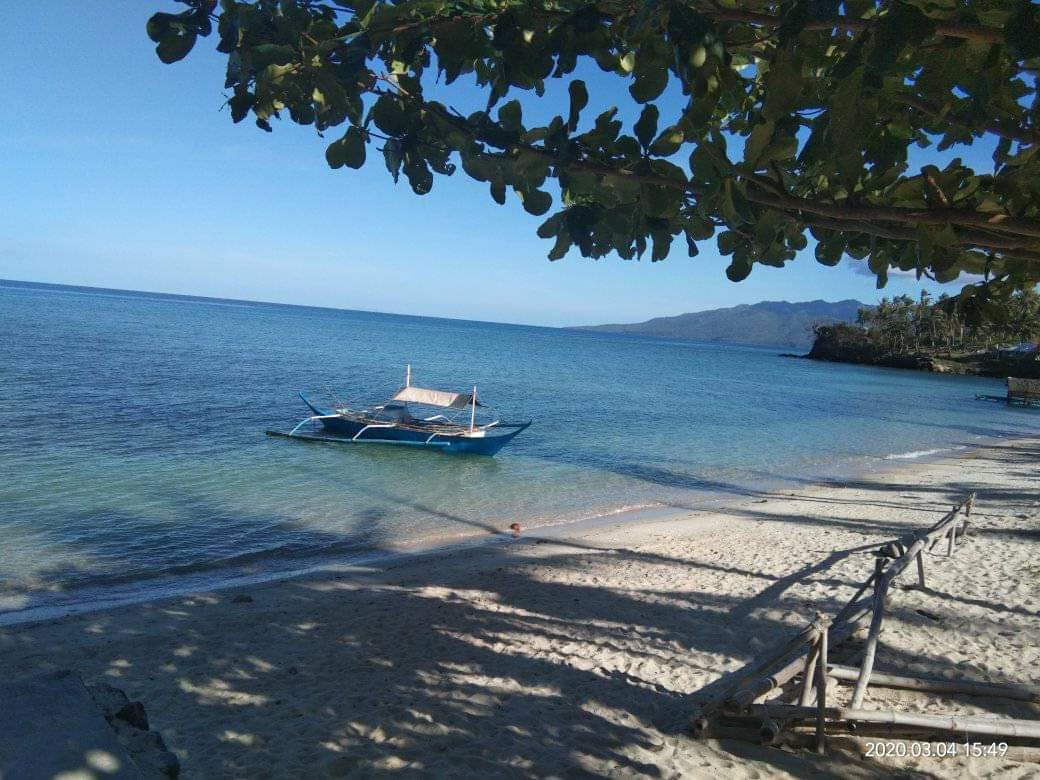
(256, 302)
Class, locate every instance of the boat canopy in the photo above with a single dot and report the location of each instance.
(441, 398)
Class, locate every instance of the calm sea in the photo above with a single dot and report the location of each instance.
(134, 460)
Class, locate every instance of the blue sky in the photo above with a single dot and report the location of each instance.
(120, 171)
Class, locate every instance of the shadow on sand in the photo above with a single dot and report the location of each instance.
(454, 669)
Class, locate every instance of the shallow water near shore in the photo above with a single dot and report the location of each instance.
(134, 454)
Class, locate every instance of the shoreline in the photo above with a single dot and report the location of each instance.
(213, 579)
(580, 654)
(100, 598)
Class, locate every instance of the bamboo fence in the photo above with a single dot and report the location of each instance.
(747, 706)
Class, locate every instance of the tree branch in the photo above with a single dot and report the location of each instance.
(969, 32)
(945, 216)
(1023, 135)
(967, 239)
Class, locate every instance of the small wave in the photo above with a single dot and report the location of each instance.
(914, 454)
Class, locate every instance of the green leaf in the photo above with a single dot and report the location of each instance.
(419, 175)
(829, 252)
(783, 85)
(389, 115)
(240, 103)
(160, 24)
(579, 99)
(272, 54)
(661, 202)
(535, 202)
(738, 270)
(662, 244)
(393, 157)
(348, 150)
(510, 116)
(761, 135)
(649, 85)
(498, 192)
(728, 241)
(1023, 31)
(646, 125)
(175, 47)
(668, 142)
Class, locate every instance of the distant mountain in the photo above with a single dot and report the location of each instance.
(770, 323)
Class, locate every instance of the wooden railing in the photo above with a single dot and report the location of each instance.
(740, 706)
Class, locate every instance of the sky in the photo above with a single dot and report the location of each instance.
(119, 171)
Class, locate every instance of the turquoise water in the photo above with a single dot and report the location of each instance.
(133, 452)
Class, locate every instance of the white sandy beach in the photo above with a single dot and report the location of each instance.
(576, 656)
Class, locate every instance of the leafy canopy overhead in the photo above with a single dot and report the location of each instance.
(797, 117)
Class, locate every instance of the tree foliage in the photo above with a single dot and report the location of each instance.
(797, 118)
(903, 325)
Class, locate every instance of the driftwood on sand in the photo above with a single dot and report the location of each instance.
(739, 707)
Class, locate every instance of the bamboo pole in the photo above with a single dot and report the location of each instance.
(880, 591)
(858, 745)
(881, 586)
(741, 694)
(764, 685)
(968, 687)
(821, 700)
(810, 673)
(958, 724)
(699, 720)
(996, 727)
(781, 711)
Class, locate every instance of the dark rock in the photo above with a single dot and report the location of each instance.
(242, 598)
(130, 722)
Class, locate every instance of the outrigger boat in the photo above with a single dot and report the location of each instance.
(392, 422)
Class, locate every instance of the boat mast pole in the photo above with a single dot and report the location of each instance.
(473, 413)
(408, 375)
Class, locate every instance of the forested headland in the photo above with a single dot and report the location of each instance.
(937, 335)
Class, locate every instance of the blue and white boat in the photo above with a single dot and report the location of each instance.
(453, 429)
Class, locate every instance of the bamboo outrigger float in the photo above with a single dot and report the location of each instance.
(392, 422)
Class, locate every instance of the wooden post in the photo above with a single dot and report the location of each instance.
(821, 695)
(969, 687)
(920, 568)
(951, 535)
(764, 685)
(880, 591)
(810, 672)
(998, 727)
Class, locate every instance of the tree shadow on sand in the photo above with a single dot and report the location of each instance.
(454, 669)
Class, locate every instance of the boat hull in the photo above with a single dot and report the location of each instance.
(355, 431)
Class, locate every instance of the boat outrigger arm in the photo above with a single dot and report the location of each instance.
(392, 422)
